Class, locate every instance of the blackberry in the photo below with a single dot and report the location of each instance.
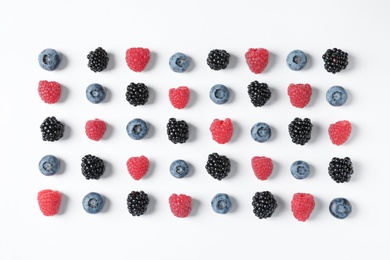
(259, 93)
(137, 94)
(218, 166)
(218, 59)
(97, 60)
(52, 129)
(137, 203)
(335, 60)
(340, 169)
(177, 131)
(92, 167)
(300, 130)
(264, 204)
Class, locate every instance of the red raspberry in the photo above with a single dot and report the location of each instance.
(221, 130)
(95, 129)
(339, 132)
(179, 97)
(262, 167)
(180, 205)
(138, 167)
(257, 59)
(137, 58)
(302, 205)
(299, 94)
(49, 91)
(49, 202)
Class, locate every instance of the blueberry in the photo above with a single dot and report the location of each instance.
(137, 129)
(179, 168)
(219, 94)
(93, 203)
(95, 93)
(300, 170)
(49, 165)
(261, 132)
(340, 208)
(179, 62)
(49, 59)
(336, 96)
(221, 203)
(296, 60)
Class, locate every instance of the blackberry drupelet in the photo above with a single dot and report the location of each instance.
(177, 131)
(52, 129)
(259, 93)
(300, 130)
(218, 59)
(137, 94)
(335, 60)
(340, 169)
(137, 203)
(97, 60)
(264, 204)
(218, 166)
(92, 167)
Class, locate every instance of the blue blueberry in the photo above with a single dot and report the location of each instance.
(340, 208)
(296, 60)
(221, 203)
(261, 132)
(93, 203)
(49, 59)
(336, 96)
(219, 94)
(300, 170)
(49, 165)
(137, 129)
(179, 62)
(95, 93)
(179, 168)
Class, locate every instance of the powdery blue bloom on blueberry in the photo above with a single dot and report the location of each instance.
(49, 59)
(137, 129)
(95, 93)
(221, 203)
(300, 170)
(340, 208)
(261, 132)
(179, 168)
(49, 165)
(296, 60)
(219, 94)
(336, 96)
(179, 62)
(93, 203)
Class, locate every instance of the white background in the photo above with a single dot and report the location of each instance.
(194, 27)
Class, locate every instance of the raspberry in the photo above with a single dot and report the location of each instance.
(97, 60)
(179, 97)
(138, 167)
(180, 205)
(262, 167)
(137, 203)
(340, 169)
(299, 94)
(92, 167)
(339, 132)
(95, 129)
(49, 91)
(49, 202)
(218, 166)
(221, 130)
(177, 131)
(264, 204)
(137, 58)
(256, 59)
(137, 94)
(300, 130)
(218, 59)
(335, 60)
(302, 205)
(52, 129)
(259, 93)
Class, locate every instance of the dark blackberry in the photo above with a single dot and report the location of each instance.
(52, 129)
(340, 169)
(218, 166)
(137, 94)
(177, 131)
(300, 130)
(264, 204)
(259, 93)
(218, 59)
(335, 60)
(97, 60)
(137, 203)
(92, 167)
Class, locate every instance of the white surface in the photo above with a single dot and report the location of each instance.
(165, 27)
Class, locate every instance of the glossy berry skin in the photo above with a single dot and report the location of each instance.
(52, 130)
(218, 166)
(259, 93)
(219, 94)
(340, 208)
(179, 62)
(300, 130)
(264, 204)
(335, 60)
(137, 203)
(49, 165)
(92, 167)
(339, 132)
(296, 60)
(261, 132)
(137, 94)
(137, 58)
(49, 202)
(137, 129)
(179, 97)
(97, 60)
(300, 169)
(95, 93)
(218, 59)
(49, 91)
(257, 59)
(93, 203)
(221, 130)
(95, 129)
(180, 205)
(177, 131)
(336, 96)
(299, 94)
(262, 167)
(137, 166)
(179, 168)
(302, 205)
(340, 169)
(221, 203)
(49, 59)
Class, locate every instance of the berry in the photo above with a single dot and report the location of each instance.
(221, 130)
(340, 169)
(179, 97)
(219, 94)
(179, 168)
(221, 203)
(49, 165)
(49, 59)
(262, 167)
(93, 203)
(97, 60)
(137, 203)
(339, 132)
(336, 96)
(137, 129)
(218, 166)
(340, 208)
(49, 202)
(180, 205)
(95, 93)
(137, 94)
(177, 131)
(256, 59)
(300, 170)
(335, 60)
(92, 167)
(261, 132)
(179, 62)
(95, 129)
(300, 130)
(137, 167)
(137, 58)
(264, 204)
(52, 129)
(218, 59)
(302, 205)
(49, 91)
(259, 93)
(296, 60)
(299, 94)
